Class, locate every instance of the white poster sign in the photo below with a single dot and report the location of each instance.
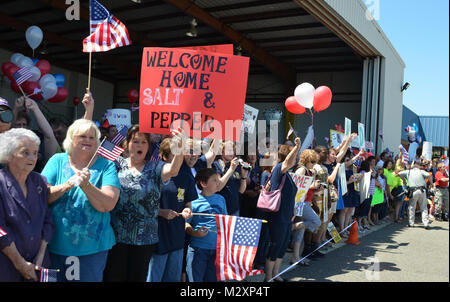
(249, 118)
(427, 150)
(119, 117)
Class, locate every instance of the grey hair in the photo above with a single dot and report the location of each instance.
(9, 142)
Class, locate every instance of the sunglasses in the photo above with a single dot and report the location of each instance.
(6, 116)
(314, 162)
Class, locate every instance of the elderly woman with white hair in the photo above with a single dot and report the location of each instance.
(25, 219)
(81, 213)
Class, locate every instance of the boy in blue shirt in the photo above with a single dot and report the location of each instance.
(201, 254)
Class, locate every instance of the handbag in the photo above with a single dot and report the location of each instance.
(270, 201)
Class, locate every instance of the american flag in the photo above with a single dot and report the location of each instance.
(107, 32)
(237, 242)
(2, 232)
(48, 275)
(291, 130)
(109, 151)
(120, 136)
(405, 155)
(22, 75)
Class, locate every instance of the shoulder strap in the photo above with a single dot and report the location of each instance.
(282, 182)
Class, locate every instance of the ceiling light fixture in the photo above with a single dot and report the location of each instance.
(193, 31)
(239, 50)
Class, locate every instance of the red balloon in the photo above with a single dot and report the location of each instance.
(322, 98)
(28, 87)
(76, 101)
(6, 66)
(293, 106)
(44, 66)
(133, 96)
(15, 87)
(10, 71)
(60, 95)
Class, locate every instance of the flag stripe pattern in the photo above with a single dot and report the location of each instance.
(237, 242)
(109, 151)
(22, 75)
(107, 32)
(120, 136)
(2, 232)
(405, 155)
(48, 275)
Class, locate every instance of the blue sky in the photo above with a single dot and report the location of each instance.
(419, 31)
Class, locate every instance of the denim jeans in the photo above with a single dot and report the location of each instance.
(87, 268)
(166, 267)
(201, 265)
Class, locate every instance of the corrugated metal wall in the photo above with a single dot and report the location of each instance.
(436, 129)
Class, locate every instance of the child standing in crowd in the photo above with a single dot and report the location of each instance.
(201, 254)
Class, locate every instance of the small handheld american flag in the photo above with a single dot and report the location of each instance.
(237, 243)
(48, 275)
(2, 233)
(405, 155)
(120, 136)
(109, 151)
(107, 32)
(22, 75)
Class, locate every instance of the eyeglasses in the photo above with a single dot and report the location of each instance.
(314, 162)
(6, 116)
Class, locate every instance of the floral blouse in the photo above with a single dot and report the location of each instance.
(135, 217)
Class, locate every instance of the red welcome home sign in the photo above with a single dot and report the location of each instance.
(201, 90)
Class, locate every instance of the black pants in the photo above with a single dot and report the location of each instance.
(128, 263)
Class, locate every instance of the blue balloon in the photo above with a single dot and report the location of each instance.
(35, 61)
(60, 79)
(97, 123)
(418, 139)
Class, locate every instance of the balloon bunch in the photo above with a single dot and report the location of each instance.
(412, 131)
(42, 85)
(306, 96)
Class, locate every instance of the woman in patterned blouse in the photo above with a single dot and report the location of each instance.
(135, 218)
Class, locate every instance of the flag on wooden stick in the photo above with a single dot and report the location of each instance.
(107, 32)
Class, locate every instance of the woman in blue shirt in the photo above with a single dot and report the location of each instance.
(280, 223)
(174, 208)
(135, 218)
(81, 214)
(234, 183)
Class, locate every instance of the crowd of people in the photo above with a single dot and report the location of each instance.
(149, 215)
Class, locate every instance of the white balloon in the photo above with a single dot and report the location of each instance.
(36, 74)
(304, 94)
(49, 90)
(34, 36)
(25, 62)
(16, 57)
(47, 78)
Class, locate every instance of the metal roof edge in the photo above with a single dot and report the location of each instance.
(380, 30)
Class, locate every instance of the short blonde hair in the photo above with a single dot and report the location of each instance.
(308, 155)
(440, 165)
(79, 127)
